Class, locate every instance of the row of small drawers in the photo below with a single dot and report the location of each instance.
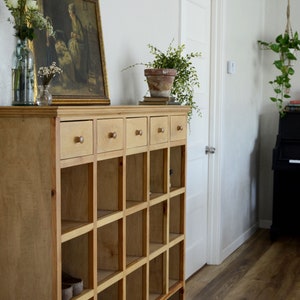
(77, 136)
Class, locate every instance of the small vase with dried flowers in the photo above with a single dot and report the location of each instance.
(46, 74)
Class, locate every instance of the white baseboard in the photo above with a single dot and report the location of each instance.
(238, 242)
(266, 224)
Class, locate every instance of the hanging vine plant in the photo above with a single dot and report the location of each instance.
(286, 45)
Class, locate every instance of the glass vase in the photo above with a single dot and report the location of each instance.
(22, 75)
(44, 96)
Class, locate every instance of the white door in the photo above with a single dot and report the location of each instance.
(195, 34)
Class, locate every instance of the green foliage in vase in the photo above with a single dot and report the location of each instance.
(27, 18)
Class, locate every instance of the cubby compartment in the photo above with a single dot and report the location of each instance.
(113, 292)
(136, 283)
(136, 227)
(158, 226)
(109, 250)
(176, 225)
(158, 173)
(177, 296)
(76, 196)
(136, 173)
(157, 277)
(176, 265)
(109, 186)
(76, 256)
(177, 167)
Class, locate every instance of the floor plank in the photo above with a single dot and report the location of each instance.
(258, 270)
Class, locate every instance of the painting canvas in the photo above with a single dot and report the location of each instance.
(77, 47)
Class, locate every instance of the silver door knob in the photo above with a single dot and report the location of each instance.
(210, 150)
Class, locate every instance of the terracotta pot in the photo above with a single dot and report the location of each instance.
(160, 81)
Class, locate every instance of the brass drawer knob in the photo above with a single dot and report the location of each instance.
(179, 128)
(139, 132)
(112, 135)
(79, 139)
(161, 130)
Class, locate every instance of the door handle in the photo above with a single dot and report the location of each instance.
(210, 150)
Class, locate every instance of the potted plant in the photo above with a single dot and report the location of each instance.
(186, 78)
(160, 81)
(285, 45)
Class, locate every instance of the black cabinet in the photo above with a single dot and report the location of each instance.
(286, 181)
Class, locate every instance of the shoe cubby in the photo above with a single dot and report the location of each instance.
(136, 234)
(76, 255)
(109, 250)
(176, 265)
(177, 167)
(136, 283)
(113, 292)
(136, 178)
(158, 226)
(176, 218)
(109, 186)
(157, 277)
(158, 173)
(111, 198)
(76, 197)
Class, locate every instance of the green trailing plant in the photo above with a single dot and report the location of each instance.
(186, 79)
(285, 45)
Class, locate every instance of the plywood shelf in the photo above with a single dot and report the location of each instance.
(106, 217)
(73, 229)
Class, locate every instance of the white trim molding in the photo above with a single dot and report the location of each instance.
(238, 242)
(216, 103)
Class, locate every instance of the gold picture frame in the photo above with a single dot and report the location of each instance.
(77, 48)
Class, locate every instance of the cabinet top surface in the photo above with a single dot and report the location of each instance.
(91, 111)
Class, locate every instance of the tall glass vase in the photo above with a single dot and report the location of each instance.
(22, 75)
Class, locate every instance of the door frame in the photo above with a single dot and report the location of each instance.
(217, 71)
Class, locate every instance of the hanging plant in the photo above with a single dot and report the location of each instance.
(286, 45)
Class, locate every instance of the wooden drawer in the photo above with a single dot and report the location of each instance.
(76, 139)
(109, 135)
(178, 128)
(159, 130)
(136, 132)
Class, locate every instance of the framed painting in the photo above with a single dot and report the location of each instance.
(77, 48)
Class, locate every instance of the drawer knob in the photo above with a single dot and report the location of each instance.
(139, 132)
(113, 135)
(179, 128)
(161, 130)
(79, 139)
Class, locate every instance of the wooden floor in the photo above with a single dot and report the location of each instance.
(258, 270)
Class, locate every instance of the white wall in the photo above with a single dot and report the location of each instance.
(6, 49)
(240, 128)
(128, 27)
(248, 121)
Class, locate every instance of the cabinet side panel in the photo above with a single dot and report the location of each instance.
(25, 209)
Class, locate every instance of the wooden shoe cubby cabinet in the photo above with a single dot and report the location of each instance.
(98, 192)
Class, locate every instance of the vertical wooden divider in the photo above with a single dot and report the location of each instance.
(56, 213)
(147, 233)
(92, 212)
(167, 219)
(122, 203)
